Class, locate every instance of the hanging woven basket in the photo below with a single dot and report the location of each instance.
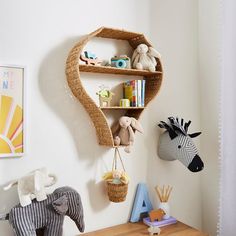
(117, 191)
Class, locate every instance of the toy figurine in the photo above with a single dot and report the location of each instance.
(116, 177)
(48, 214)
(154, 230)
(144, 58)
(105, 97)
(33, 185)
(120, 62)
(156, 214)
(90, 58)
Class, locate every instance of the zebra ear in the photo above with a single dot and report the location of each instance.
(194, 135)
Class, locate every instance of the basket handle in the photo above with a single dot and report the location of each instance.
(116, 156)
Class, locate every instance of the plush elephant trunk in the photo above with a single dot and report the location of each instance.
(53, 181)
(80, 224)
(77, 215)
(69, 203)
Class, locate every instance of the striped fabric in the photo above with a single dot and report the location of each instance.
(181, 148)
(176, 144)
(25, 220)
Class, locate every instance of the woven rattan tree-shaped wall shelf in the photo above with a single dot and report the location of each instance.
(73, 69)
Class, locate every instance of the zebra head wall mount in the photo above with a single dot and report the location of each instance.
(176, 144)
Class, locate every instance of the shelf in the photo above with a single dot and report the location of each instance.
(98, 115)
(114, 70)
(121, 108)
(140, 229)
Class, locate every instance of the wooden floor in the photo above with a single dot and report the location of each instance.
(139, 229)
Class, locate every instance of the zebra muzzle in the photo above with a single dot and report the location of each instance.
(196, 165)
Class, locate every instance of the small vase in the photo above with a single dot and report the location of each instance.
(166, 208)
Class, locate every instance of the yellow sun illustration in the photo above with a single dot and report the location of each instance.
(11, 129)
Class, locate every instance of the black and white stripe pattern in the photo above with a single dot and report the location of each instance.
(176, 144)
(25, 220)
(181, 148)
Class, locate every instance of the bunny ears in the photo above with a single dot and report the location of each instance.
(136, 125)
(153, 53)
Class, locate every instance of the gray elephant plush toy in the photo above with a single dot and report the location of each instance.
(48, 214)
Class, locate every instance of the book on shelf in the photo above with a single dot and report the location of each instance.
(143, 93)
(128, 91)
(139, 93)
(134, 90)
(160, 223)
(134, 93)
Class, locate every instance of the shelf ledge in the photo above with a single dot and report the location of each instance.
(114, 70)
(121, 108)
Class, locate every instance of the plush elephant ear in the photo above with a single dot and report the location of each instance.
(61, 205)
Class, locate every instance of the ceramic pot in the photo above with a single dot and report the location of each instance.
(166, 208)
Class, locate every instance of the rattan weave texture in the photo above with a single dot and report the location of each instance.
(153, 82)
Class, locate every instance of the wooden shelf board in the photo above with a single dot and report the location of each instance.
(139, 229)
(121, 108)
(114, 70)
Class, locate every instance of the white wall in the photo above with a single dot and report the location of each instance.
(175, 33)
(60, 135)
(210, 69)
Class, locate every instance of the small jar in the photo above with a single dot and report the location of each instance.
(124, 103)
(166, 208)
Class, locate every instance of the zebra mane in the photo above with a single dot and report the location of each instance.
(175, 126)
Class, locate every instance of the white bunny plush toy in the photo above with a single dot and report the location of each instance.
(144, 58)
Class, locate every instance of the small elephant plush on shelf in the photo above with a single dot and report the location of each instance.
(126, 133)
(144, 58)
(33, 185)
(48, 214)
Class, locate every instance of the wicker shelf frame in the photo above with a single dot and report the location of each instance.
(73, 68)
(121, 108)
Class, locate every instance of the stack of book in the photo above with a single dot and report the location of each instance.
(134, 90)
(161, 223)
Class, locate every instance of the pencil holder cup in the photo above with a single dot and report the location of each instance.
(166, 208)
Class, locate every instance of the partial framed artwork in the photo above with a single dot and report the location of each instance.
(12, 132)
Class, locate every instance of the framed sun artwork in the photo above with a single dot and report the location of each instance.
(12, 133)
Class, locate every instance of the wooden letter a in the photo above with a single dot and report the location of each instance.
(142, 203)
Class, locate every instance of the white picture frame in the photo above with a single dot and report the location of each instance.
(12, 110)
